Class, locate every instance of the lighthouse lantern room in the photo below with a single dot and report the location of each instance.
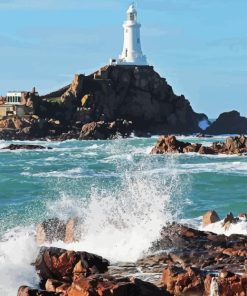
(132, 52)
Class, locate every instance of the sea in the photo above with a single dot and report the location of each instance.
(122, 194)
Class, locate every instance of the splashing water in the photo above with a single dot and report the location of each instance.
(17, 251)
(121, 223)
(214, 288)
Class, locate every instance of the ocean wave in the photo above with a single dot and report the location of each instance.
(72, 173)
(17, 251)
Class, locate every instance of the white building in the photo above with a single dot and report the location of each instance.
(15, 97)
(132, 51)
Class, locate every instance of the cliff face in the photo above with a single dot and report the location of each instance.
(137, 94)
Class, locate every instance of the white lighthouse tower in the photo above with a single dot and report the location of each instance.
(132, 51)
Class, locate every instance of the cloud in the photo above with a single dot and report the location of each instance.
(55, 4)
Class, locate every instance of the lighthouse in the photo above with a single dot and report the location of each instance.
(132, 51)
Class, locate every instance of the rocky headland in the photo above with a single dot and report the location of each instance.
(114, 101)
(228, 123)
(183, 261)
(170, 144)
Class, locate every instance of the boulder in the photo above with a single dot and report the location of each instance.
(229, 220)
(228, 123)
(105, 130)
(169, 144)
(236, 145)
(209, 218)
(178, 281)
(24, 147)
(62, 265)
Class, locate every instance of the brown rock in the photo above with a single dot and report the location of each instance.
(169, 144)
(71, 231)
(229, 219)
(210, 217)
(53, 285)
(59, 264)
(105, 130)
(178, 281)
(26, 291)
(192, 148)
(102, 285)
(206, 150)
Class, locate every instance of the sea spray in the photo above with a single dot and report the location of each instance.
(214, 288)
(120, 222)
(17, 251)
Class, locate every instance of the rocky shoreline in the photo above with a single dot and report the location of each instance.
(183, 261)
(34, 128)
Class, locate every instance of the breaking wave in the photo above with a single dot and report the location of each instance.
(121, 222)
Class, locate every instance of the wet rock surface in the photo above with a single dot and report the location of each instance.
(170, 144)
(25, 147)
(183, 261)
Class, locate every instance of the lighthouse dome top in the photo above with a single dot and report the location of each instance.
(132, 9)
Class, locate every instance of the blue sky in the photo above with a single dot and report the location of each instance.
(199, 46)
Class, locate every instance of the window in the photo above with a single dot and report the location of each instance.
(131, 16)
(138, 40)
(126, 52)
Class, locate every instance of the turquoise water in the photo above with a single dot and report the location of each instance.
(122, 195)
(31, 181)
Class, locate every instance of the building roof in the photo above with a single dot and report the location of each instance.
(16, 91)
(132, 9)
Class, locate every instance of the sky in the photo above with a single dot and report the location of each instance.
(199, 46)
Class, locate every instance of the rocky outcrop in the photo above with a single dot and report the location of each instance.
(137, 94)
(134, 94)
(34, 127)
(24, 147)
(66, 266)
(169, 144)
(209, 218)
(228, 123)
(102, 130)
(192, 281)
(30, 128)
(79, 274)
